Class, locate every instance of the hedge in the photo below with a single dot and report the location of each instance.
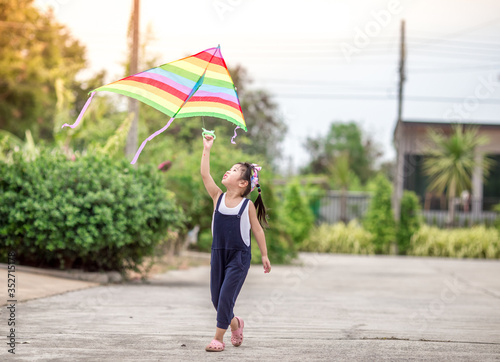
(93, 212)
(340, 238)
(474, 242)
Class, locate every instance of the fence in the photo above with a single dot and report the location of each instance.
(462, 219)
(331, 210)
(475, 211)
(468, 212)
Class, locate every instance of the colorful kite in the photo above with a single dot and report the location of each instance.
(198, 85)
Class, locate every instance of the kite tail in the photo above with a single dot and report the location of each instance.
(80, 116)
(149, 139)
(235, 134)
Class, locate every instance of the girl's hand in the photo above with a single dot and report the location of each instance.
(266, 264)
(208, 142)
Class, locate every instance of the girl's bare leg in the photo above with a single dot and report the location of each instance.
(219, 332)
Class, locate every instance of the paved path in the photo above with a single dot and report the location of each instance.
(30, 285)
(332, 308)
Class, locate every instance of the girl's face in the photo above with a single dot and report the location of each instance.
(232, 177)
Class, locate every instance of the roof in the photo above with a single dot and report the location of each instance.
(439, 122)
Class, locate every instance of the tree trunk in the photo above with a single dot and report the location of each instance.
(343, 205)
(451, 205)
(133, 104)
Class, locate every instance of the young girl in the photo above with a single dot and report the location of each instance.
(234, 216)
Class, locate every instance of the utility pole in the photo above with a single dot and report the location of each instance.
(133, 104)
(399, 134)
(402, 78)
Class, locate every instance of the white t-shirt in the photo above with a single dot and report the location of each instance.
(245, 219)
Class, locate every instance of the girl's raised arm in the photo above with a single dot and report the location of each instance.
(213, 190)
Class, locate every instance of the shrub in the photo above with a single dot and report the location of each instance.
(93, 212)
(280, 246)
(409, 221)
(496, 208)
(475, 242)
(184, 176)
(297, 216)
(339, 238)
(379, 219)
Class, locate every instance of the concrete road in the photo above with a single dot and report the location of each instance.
(330, 308)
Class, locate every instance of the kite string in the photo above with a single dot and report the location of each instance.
(149, 139)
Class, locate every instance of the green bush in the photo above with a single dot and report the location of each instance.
(409, 221)
(280, 246)
(496, 223)
(340, 238)
(93, 212)
(475, 242)
(204, 242)
(297, 215)
(184, 177)
(379, 219)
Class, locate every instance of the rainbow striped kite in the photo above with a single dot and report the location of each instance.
(198, 85)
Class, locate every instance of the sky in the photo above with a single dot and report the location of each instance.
(321, 60)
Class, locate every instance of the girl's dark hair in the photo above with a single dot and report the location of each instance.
(259, 204)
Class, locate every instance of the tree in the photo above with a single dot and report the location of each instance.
(342, 177)
(297, 215)
(379, 218)
(266, 128)
(450, 162)
(343, 137)
(409, 221)
(38, 62)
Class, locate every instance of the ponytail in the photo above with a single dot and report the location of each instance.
(251, 175)
(261, 209)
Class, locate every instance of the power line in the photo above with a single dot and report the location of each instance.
(458, 43)
(301, 82)
(383, 97)
(430, 53)
(472, 37)
(455, 69)
(463, 31)
(460, 50)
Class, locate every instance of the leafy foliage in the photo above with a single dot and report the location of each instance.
(380, 219)
(450, 162)
(38, 62)
(339, 238)
(281, 248)
(409, 221)
(474, 242)
(266, 128)
(92, 212)
(183, 177)
(297, 214)
(343, 138)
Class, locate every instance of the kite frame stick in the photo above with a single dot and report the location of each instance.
(193, 91)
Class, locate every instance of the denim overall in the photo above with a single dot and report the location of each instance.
(230, 262)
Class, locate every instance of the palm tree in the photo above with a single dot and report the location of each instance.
(450, 162)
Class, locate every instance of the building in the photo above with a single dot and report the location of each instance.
(410, 139)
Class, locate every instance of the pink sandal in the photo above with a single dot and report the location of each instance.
(215, 346)
(237, 335)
